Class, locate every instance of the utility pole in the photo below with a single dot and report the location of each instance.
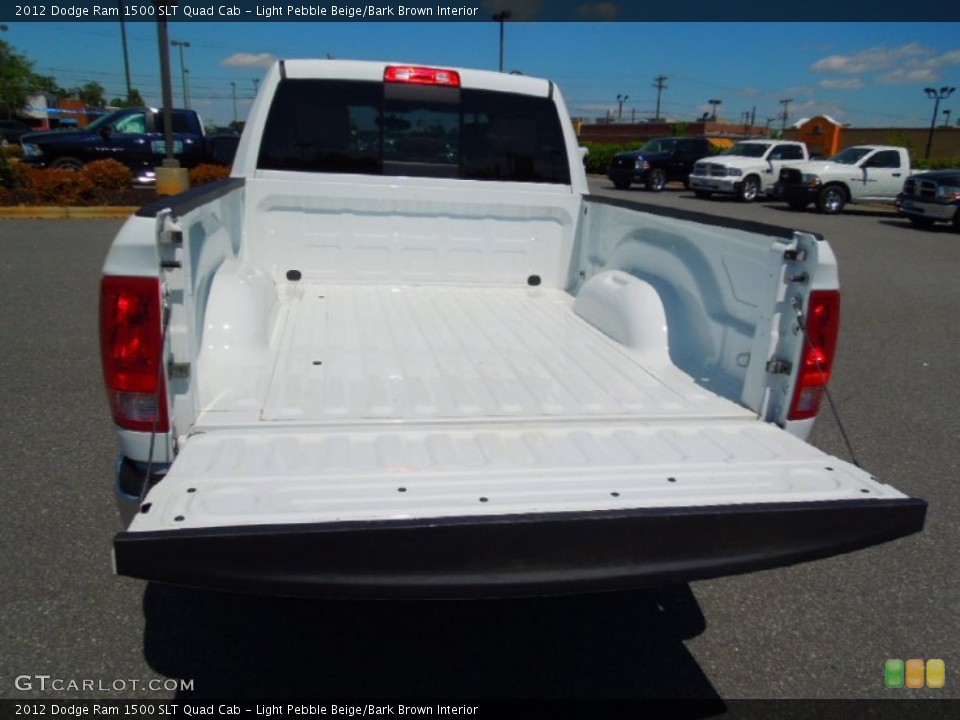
(660, 83)
(183, 71)
(163, 40)
(621, 99)
(937, 96)
(502, 17)
(123, 41)
(784, 115)
(233, 86)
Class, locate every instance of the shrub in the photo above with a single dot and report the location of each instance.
(936, 163)
(14, 150)
(13, 174)
(600, 155)
(203, 174)
(6, 172)
(55, 185)
(108, 174)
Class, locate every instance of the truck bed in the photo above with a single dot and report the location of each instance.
(428, 401)
(395, 371)
(459, 442)
(359, 355)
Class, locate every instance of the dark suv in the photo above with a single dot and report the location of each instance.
(658, 162)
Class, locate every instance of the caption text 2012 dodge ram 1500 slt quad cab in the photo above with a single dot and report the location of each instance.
(402, 351)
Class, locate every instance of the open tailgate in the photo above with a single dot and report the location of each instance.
(496, 509)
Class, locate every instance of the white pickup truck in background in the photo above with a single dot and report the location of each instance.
(747, 170)
(863, 173)
(403, 352)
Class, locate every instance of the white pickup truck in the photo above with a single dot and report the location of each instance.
(748, 169)
(402, 351)
(863, 173)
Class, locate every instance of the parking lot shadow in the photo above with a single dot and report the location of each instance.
(851, 210)
(906, 226)
(616, 645)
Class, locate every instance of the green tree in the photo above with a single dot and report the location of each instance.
(134, 99)
(16, 74)
(92, 93)
(46, 83)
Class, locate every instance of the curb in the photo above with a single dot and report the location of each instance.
(59, 212)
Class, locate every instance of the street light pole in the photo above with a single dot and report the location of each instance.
(621, 99)
(501, 17)
(714, 103)
(183, 72)
(936, 96)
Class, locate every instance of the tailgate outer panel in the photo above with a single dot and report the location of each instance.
(495, 556)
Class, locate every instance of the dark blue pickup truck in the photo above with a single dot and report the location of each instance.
(133, 136)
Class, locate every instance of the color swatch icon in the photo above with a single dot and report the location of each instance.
(893, 673)
(936, 673)
(914, 673)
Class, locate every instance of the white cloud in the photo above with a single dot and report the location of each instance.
(249, 60)
(872, 59)
(599, 11)
(907, 76)
(951, 57)
(907, 64)
(848, 84)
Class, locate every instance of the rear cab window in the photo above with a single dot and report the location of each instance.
(376, 128)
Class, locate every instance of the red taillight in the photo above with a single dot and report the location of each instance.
(822, 323)
(131, 347)
(421, 76)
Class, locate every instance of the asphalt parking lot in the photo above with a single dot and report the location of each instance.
(818, 630)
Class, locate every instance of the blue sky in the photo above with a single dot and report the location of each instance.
(866, 74)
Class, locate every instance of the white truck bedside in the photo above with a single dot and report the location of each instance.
(402, 352)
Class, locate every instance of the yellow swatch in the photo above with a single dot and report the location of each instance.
(936, 673)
